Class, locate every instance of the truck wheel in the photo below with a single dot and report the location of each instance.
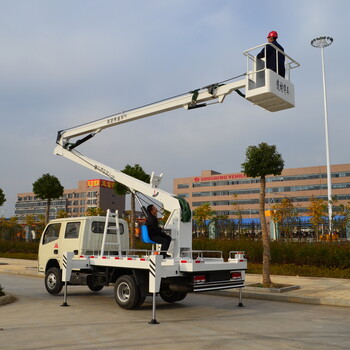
(53, 280)
(171, 297)
(126, 292)
(95, 287)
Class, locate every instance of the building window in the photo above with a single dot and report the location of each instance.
(179, 186)
(201, 184)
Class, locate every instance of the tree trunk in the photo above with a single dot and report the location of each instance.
(265, 236)
(47, 216)
(132, 222)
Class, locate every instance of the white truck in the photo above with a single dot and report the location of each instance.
(102, 257)
(90, 251)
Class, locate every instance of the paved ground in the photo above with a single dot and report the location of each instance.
(317, 291)
(36, 321)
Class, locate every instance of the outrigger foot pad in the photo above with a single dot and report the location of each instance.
(153, 321)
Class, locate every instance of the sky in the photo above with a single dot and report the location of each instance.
(64, 63)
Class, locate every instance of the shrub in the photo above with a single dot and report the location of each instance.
(326, 254)
(333, 257)
(19, 249)
(297, 270)
(330, 255)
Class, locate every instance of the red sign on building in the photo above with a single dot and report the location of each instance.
(219, 177)
(100, 183)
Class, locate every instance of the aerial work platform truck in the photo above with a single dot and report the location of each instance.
(94, 251)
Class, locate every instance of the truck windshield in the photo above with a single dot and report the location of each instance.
(51, 233)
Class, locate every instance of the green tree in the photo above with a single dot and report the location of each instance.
(285, 215)
(238, 213)
(40, 225)
(317, 211)
(30, 222)
(165, 216)
(95, 212)
(62, 214)
(48, 187)
(2, 197)
(263, 160)
(222, 224)
(16, 230)
(137, 172)
(9, 228)
(201, 215)
(343, 210)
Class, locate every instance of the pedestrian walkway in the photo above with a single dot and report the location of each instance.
(312, 290)
(307, 290)
(19, 267)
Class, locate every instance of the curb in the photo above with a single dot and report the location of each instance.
(284, 298)
(250, 287)
(7, 299)
(27, 271)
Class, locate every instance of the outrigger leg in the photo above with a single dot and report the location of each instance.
(153, 320)
(154, 282)
(66, 273)
(240, 304)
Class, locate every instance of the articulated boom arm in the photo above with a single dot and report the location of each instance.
(262, 86)
(149, 189)
(195, 99)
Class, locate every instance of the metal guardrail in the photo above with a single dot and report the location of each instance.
(290, 63)
(202, 254)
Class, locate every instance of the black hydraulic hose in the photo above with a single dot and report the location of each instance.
(240, 93)
(71, 146)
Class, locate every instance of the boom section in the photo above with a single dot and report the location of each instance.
(193, 99)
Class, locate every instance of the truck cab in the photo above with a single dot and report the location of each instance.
(81, 235)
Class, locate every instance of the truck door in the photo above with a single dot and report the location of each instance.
(69, 240)
(48, 248)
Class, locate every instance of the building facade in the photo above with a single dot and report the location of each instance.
(235, 194)
(96, 193)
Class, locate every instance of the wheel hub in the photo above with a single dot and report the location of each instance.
(123, 292)
(51, 281)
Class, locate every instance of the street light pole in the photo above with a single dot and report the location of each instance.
(321, 43)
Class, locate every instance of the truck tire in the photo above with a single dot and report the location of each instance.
(172, 297)
(140, 301)
(126, 292)
(95, 287)
(53, 280)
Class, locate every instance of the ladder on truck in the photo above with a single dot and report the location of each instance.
(111, 225)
